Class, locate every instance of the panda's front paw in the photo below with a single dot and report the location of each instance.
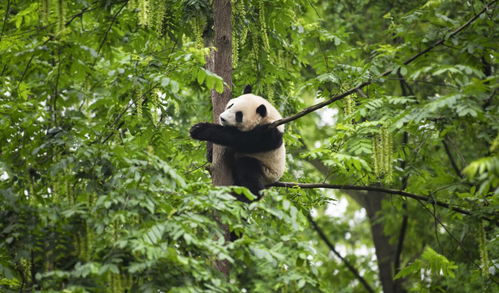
(200, 131)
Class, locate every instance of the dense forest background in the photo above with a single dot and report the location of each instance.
(102, 190)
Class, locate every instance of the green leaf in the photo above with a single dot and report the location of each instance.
(201, 76)
(219, 87)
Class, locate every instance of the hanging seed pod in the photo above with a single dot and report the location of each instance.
(235, 50)
(138, 104)
(198, 33)
(155, 106)
(347, 106)
(377, 158)
(263, 26)
(60, 15)
(484, 255)
(133, 4)
(235, 41)
(44, 11)
(255, 49)
(270, 93)
(158, 14)
(144, 12)
(386, 165)
(240, 9)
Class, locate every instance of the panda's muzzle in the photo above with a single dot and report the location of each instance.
(223, 121)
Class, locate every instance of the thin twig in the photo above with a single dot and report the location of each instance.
(118, 124)
(83, 11)
(406, 89)
(7, 11)
(73, 17)
(427, 199)
(459, 243)
(350, 267)
(115, 17)
(25, 71)
(425, 82)
(451, 159)
(386, 73)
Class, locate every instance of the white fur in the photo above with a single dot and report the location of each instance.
(247, 104)
(274, 162)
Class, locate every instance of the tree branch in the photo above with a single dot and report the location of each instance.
(25, 71)
(79, 14)
(386, 73)
(427, 199)
(115, 17)
(451, 159)
(72, 18)
(350, 267)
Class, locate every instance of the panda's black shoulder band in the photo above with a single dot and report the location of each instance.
(260, 139)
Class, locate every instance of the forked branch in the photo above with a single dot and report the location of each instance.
(330, 245)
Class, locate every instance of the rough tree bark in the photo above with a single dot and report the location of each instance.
(220, 62)
(385, 251)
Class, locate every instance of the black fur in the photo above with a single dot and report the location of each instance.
(247, 89)
(261, 139)
(262, 110)
(247, 171)
(239, 116)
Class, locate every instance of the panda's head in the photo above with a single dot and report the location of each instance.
(249, 111)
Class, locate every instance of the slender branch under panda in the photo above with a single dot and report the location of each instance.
(349, 266)
(427, 199)
(384, 74)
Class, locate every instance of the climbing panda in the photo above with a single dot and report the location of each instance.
(258, 153)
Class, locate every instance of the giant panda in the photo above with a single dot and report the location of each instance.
(258, 154)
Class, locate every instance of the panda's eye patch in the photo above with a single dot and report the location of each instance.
(239, 116)
(230, 106)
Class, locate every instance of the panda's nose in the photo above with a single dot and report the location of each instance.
(223, 120)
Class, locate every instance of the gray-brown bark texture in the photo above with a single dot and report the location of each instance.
(222, 65)
(220, 62)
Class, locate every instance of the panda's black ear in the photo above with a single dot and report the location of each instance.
(247, 89)
(262, 110)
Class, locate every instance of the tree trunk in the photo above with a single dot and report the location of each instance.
(385, 251)
(222, 65)
(220, 62)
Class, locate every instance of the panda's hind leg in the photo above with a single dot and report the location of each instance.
(248, 173)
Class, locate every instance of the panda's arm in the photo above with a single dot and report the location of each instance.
(260, 139)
